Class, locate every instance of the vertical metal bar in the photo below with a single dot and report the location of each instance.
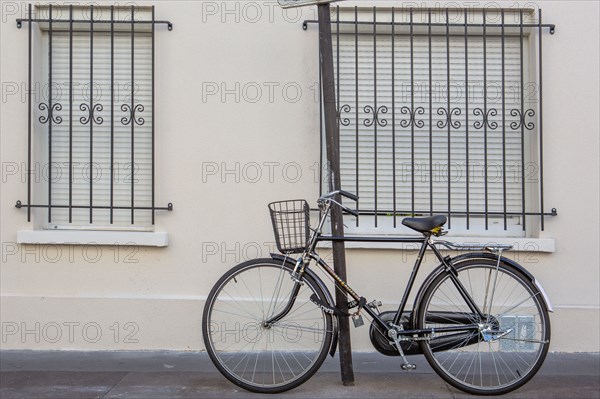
(333, 156)
(467, 171)
(71, 113)
(430, 117)
(413, 113)
(29, 112)
(112, 111)
(375, 110)
(321, 130)
(132, 114)
(337, 68)
(91, 169)
(504, 202)
(541, 120)
(485, 125)
(449, 113)
(356, 110)
(50, 110)
(153, 121)
(394, 113)
(337, 64)
(522, 37)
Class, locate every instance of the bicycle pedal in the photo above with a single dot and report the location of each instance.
(358, 321)
(408, 367)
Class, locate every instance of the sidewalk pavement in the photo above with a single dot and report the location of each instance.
(162, 375)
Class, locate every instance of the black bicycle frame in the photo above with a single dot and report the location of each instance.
(425, 243)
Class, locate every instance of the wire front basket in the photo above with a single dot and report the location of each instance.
(291, 225)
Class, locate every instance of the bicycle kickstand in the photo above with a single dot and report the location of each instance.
(406, 365)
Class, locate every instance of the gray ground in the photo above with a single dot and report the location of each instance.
(148, 375)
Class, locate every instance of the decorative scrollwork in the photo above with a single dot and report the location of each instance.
(376, 116)
(412, 120)
(448, 121)
(485, 118)
(50, 113)
(126, 120)
(91, 116)
(345, 109)
(522, 119)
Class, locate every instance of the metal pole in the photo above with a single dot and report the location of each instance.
(333, 158)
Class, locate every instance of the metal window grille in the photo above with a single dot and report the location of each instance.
(95, 111)
(440, 112)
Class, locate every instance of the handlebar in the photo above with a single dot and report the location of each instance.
(330, 198)
(342, 193)
(348, 195)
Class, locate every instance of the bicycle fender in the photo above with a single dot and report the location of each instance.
(484, 255)
(480, 255)
(328, 297)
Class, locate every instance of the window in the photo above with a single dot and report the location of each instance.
(439, 113)
(93, 125)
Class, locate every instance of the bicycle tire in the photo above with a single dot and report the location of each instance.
(265, 359)
(511, 343)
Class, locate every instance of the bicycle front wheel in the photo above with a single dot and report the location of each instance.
(496, 353)
(252, 353)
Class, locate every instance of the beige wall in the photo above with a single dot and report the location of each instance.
(142, 298)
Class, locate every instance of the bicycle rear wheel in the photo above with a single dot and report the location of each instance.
(508, 345)
(255, 356)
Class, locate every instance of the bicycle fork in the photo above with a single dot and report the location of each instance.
(293, 296)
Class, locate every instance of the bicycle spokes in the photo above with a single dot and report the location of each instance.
(499, 350)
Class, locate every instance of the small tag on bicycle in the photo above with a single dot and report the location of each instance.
(358, 321)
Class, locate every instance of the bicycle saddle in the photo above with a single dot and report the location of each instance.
(423, 225)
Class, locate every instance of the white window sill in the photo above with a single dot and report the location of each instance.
(148, 239)
(523, 244)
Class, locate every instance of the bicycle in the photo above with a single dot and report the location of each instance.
(480, 319)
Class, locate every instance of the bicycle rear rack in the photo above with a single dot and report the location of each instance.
(493, 248)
